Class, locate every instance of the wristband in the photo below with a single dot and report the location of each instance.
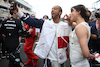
(19, 14)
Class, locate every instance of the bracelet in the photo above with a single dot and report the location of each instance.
(89, 57)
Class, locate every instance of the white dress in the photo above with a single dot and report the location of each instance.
(76, 57)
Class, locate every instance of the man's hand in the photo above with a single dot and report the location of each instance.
(93, 36)
(30, 30)
(13, 8)
(3, 36)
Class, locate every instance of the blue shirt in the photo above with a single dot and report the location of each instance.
(94, 30)
(34, 22)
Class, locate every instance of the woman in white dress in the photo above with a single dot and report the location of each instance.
(79, 37)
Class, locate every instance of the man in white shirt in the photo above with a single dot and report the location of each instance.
(54, 36)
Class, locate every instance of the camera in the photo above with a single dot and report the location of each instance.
(14, 8)
(97, 14)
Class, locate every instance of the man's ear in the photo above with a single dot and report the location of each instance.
(60, 13)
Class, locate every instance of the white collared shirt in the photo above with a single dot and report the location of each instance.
(53, 52)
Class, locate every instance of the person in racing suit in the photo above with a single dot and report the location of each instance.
(29, 42)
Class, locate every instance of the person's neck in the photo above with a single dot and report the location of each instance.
(80, 20)
(56, 20)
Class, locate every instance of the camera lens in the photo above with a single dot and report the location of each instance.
(97, 15)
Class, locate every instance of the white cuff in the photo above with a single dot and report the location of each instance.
(19, 14)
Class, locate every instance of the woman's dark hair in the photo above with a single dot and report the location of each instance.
(83, 11)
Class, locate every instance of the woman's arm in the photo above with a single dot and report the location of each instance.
(82, 34)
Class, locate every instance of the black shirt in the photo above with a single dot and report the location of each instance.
(11, 29)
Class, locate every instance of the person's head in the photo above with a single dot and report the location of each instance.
(77, 12)
(97, 14)
(33, 16)
(12, 15)
(88, 12)
(27, 13)
(45, 17)
(56, 12)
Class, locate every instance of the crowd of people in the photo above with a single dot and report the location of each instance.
(56, 40)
